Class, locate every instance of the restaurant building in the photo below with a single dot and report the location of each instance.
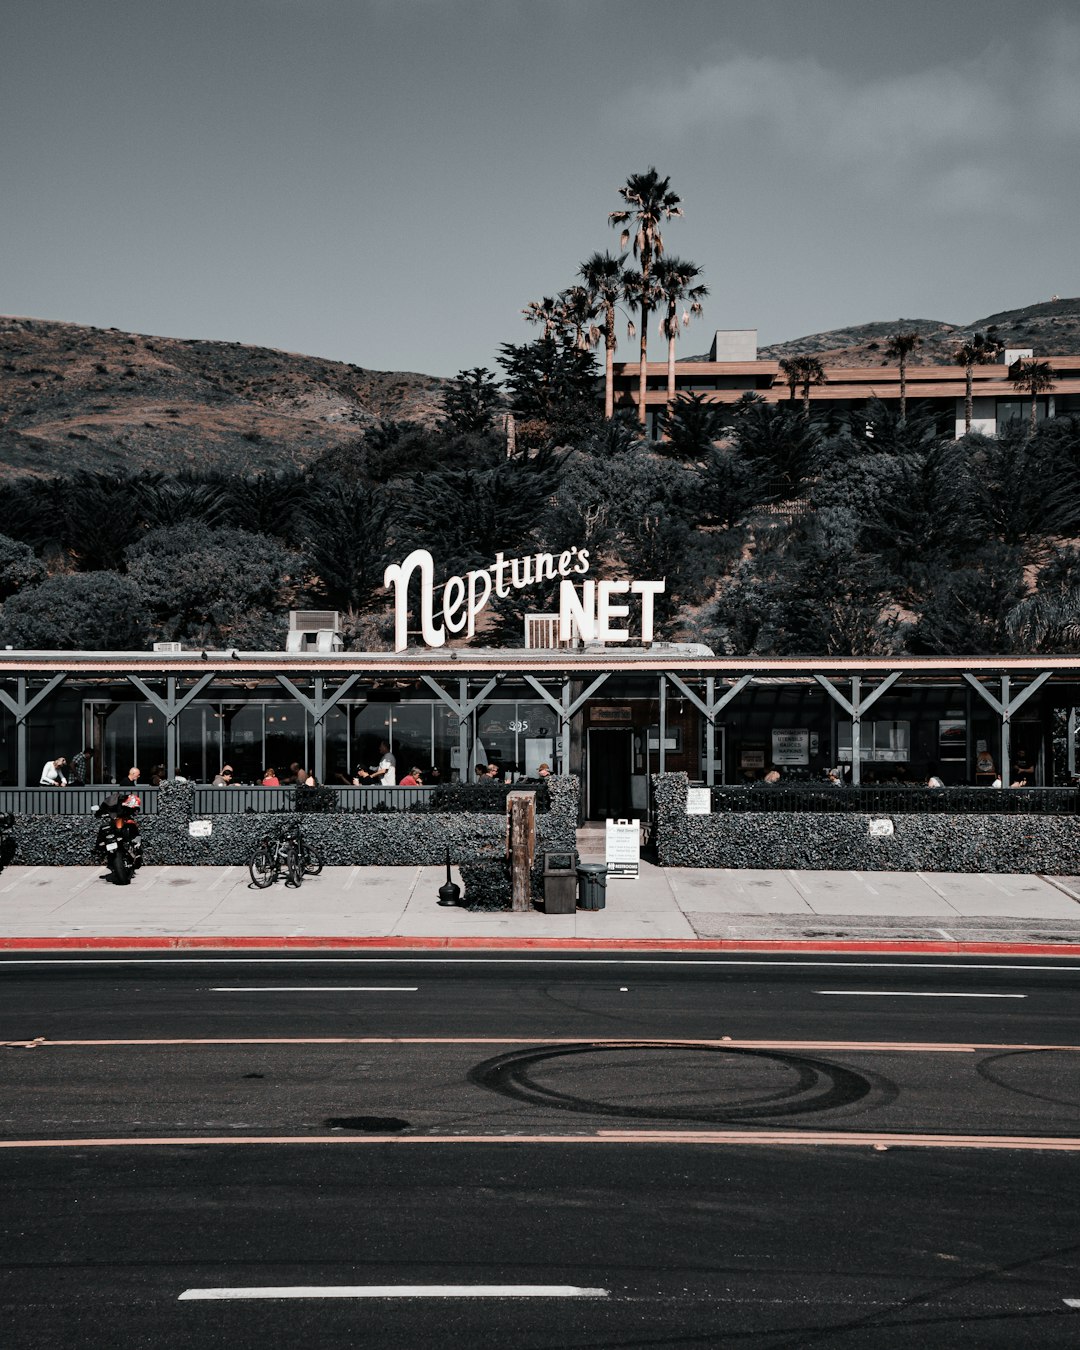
(613, 714)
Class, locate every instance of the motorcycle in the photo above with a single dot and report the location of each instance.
(118, 838)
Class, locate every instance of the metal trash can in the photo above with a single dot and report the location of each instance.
(560, 883)
(592, 885)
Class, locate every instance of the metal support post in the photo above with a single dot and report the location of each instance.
(21, 730)
(663, 721)
(172, 730)
(1006, 729)
(464, 717)
(318, 730)
(856, 733)
(710, 734)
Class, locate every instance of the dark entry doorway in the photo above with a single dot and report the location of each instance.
(611, 751)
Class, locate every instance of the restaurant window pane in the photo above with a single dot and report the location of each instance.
(411, 727)
(287, 741)
(242, 740)
(55, 728)
(149, 744)
(338, 764)
(371, 724)
(200, 742)
(445, 742)
(114, 734)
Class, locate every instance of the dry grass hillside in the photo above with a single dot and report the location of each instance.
(1051, 328)
(73, 397)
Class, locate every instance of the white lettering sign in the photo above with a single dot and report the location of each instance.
(622, 848)
(597, 614)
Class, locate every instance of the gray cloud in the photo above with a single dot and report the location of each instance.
(972, 135)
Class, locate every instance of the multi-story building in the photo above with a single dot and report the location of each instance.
(733, 369)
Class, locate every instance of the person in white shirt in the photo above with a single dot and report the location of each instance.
(386, 770)
(52, 775)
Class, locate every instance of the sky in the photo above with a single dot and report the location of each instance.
(389, 182)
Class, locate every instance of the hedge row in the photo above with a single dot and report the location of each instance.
(377, 839)
(819, 842)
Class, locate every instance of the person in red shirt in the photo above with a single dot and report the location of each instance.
(412, 779)
(270, 779)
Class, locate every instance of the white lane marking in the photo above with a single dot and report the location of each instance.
(315, 989)
(905, 993)
(310, 959)
(400, 1291)
(25, 877)
(352, 877)
(222, 879)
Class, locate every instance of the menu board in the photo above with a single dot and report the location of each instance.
(622, 848)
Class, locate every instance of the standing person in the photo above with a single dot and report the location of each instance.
(385, 772)
(52, 773)
(81, 766)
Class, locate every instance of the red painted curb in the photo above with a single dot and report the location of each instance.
(226, 944)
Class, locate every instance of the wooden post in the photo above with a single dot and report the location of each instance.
(521, 846)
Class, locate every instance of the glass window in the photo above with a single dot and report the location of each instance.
(880, 742)
(411, 740)
(200, 742)
(114, 739)
(504, 732)
(286, 741)
(242, 740)
(371, 724)
(338, 762)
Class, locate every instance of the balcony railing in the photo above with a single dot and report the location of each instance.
(70, 801)
(889, 801)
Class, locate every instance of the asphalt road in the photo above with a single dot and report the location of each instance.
(539, 1151)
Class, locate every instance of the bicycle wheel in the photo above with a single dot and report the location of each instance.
(294, 865)
(314, 862)
(262, 868)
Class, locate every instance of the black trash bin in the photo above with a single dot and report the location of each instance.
(592, 885)
(560, 882)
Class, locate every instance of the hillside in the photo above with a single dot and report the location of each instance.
(1050, 328)
(92, 398)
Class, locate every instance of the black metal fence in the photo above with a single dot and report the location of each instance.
(69, 801)
(483, 798)
(897, 800)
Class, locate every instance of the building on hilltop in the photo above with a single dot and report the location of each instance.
(734, 369)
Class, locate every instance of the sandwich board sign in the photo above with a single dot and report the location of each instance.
(622, 848)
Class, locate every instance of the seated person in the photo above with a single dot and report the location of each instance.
(413, 778)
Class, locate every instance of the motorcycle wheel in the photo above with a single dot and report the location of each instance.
(294, 867)
(121, 867)
(262, 869)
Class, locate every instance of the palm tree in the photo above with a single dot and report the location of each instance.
(576, 315)
(650, 202)
(980, 350)
(804, 370)
(1032, 378)
(548, 311)
(605, 279)
(674, 286)
(900, 347)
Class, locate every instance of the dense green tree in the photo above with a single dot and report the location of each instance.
(965, 609)
(19, 566)
(167, 499)
(96, 611)
(344, 525)
(471, 402)
(727, 489)
(1021, 494)
(692, 426)
(781, 446)
(554, 384)
(1048, 620)
(203, 584)
(649, 203)
(267, 503)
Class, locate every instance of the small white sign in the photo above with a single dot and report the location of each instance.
(200, 829)
(881, 829)
(622, 848)
(698, 801)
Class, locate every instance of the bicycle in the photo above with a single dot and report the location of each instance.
(285, 852)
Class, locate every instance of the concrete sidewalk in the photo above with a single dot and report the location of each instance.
(80, 905)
